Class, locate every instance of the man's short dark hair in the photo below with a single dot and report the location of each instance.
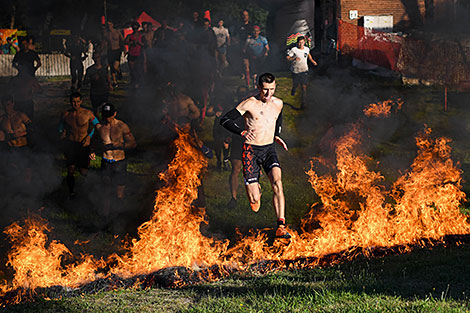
(74, 95)
(300, 38)
(7, 97)
(266, 78)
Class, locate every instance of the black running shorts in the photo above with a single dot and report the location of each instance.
(255, 157)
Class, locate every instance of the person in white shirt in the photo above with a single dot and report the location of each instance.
(223, 40)
(299, 57)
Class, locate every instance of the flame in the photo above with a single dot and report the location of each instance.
(383, 108)
(38, 263)
(357, 212)
(172, 237)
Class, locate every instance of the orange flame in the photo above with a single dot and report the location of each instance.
(357, 211)
(38, 263)
(383, 108)
(172, 237)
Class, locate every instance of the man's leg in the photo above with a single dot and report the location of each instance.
(294, 84)
(70, 179)
(74, 75)
(303, 95)
(275, 177)
(253, 192)
(246, 64)
(79, 75)
(233, 182)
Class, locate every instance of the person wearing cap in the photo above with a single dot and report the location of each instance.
(115, 137)
(256, 49)
(77, 126)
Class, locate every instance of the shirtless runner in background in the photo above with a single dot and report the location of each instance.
(114, 38)
(263, 119)
(116, 137)
(14, 126)
(74, 128)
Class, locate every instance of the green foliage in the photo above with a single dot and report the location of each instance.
(230, 11)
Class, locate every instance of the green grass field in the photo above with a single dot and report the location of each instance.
(425, 280)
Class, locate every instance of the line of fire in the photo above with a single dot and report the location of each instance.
(356, 209)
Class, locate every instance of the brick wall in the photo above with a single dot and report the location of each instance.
(405, 12)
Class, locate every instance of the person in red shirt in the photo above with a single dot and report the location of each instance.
(134, 57)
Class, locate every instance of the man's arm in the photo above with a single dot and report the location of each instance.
(266, 48)
(129, 139)
(228, 120)
(290, 55)
(15, 61)
(38, 62)
(312, 60)
(194, 112)
(61, 127)
(277, 131)
(94, 121)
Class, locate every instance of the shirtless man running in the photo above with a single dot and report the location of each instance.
(15, 126)
(116, 137)
(74, 127)
(263, 119)
(114, 38)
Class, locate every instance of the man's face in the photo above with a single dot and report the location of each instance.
(195, 15)
(111, 118)
(267, 91)
(110, 25)
(301, 43)
(245, 16)
(221, 23)
(76, 103)
(206, 25)
(256, 32)
(25, 44)
(9, 105)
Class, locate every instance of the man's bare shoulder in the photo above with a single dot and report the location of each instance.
(123, 126)
(277, 101)
(248, 102)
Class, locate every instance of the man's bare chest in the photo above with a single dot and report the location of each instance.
(76, 119)
(110, 132)
(264, 113)
(12, 123)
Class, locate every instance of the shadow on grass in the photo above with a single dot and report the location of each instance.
(440, 273)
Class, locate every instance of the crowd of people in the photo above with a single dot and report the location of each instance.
(184, 63)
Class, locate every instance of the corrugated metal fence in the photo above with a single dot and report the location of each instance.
(51, 65)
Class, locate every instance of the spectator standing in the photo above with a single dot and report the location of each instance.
(27, 60)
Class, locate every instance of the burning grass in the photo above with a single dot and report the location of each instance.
(358, 216)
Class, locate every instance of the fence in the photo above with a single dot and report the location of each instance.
(439, 60)
(51, 65)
